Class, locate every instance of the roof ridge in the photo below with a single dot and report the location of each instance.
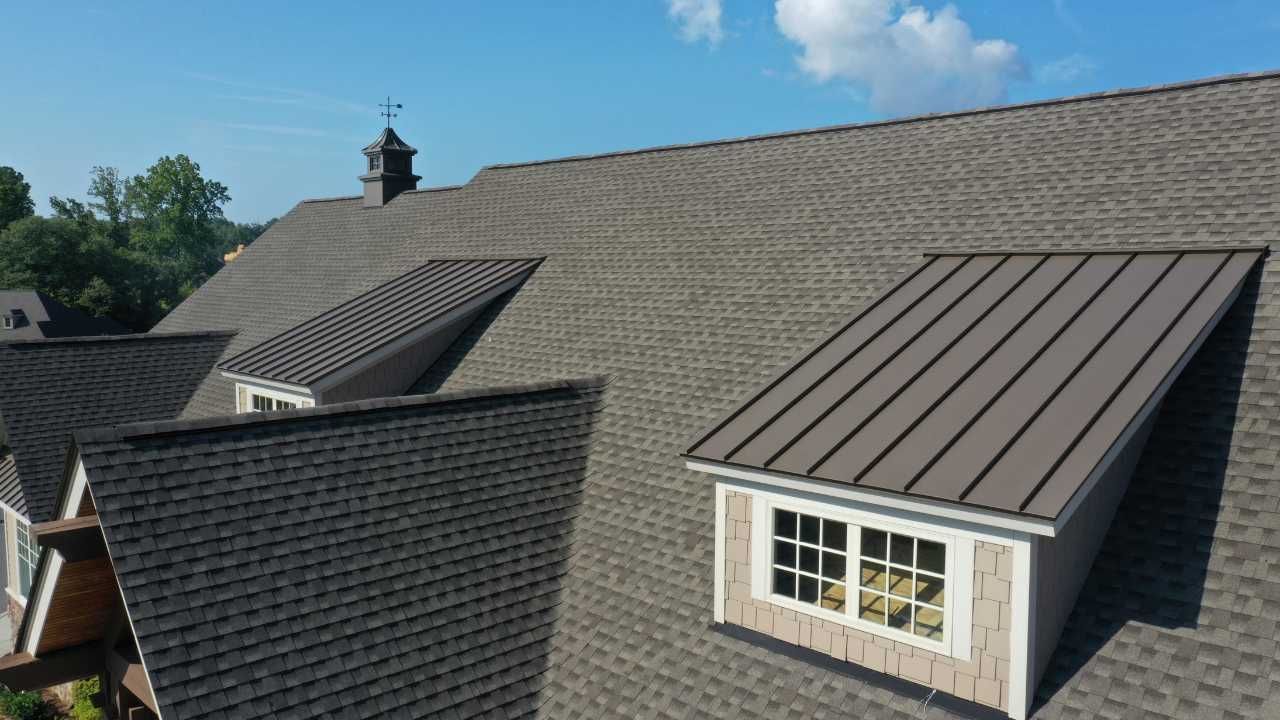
(120, 338)
(166, 428)
(415, 191)
(987, 109)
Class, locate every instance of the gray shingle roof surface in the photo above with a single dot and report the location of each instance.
(993, 380)
(48, 318)
(691, 275)
(49, 388)
(336, 338)
(399, 558)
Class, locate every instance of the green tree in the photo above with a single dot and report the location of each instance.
(15, 197)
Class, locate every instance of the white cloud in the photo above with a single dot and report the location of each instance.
(698, 19)
(908, 59)
(1067, 70)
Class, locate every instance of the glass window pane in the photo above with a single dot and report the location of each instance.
(809, 529)
(929, 623)
(874, 543)
(808, 590)
(931, 556)
(900, 581)
(900, 550)
(930, 589)
(784, 524)
(873, 575)
(809, 559)
(899, 614)
(784, 583)
(833, 566)
(833, 596)
(784, 553)
(833, 535)
(871, 607)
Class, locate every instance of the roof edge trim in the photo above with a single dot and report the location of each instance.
(169, 428)
(986, 110)
(124, 338)
(1153, 250)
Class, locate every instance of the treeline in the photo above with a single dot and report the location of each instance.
(136, 249)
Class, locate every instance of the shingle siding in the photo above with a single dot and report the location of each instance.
(691, 275)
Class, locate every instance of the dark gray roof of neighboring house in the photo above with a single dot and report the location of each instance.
(336, 338)
(398, 558)
(10, 488)
(690, 275)
(48, 318)
(49, 388)
(1000, 381)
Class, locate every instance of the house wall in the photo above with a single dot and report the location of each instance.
(1063, 561)
(984, 678)
(398, 373)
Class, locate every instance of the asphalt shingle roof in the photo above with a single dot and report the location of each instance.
(10, 488)
(397, 558)
(692, 274)
(48, 318)
(48, 388)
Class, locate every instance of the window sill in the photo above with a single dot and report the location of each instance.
(17, 598)
(941, 648)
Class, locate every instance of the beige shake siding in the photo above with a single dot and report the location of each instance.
(984, 678)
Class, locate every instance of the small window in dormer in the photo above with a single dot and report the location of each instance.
(266, 403)
(8, 322)
(375, 162)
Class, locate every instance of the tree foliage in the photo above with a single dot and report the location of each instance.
(15, 197)
(136, 249)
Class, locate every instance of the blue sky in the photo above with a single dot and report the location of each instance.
(276, 100)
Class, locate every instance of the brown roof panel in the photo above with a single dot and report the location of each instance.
(994, 380)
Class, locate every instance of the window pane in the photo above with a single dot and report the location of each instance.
(283, 405)
(873, 543)
(784, 553)
(808, 591)
(930, 589)
(900, 550)
(833, 596)
(871, 607)
(873, 575)
(900, 581)
(899, 614)
(809, 559)
(784, 583)
(929, 623)
(833, 566)
(833, 535)
(932, 556)
(809, 529)
(784, 524)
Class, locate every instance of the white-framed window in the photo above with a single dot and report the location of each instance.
(27, 556)
(8, 322)
(266, 403)
(885, 576)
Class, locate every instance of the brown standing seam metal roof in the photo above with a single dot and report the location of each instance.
(334, 339)
(994, 380)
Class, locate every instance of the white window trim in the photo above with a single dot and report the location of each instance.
(249, 390)
(957, 614)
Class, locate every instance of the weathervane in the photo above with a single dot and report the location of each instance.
(388, 108)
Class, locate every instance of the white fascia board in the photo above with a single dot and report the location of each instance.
(1150, 407)
(79, 482)
(269, 385)
(47, 581)
(718, 593)
(5, 506)
(1022, 636)
(994, 524)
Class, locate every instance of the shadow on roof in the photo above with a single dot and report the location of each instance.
(1153, 566)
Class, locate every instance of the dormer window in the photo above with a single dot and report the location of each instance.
(8, 322)
(252, 398)
(265, 403)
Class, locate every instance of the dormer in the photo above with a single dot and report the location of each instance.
(389, 169)
(14, 318)
(375, 345)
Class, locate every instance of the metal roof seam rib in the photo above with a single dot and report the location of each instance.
(841, 363)
(1186, 307)
(1070, 376)
(1014, 377)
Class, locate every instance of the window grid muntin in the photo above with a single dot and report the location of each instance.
(28, 555)
(266, 403)
(822, 551)
(853, 549)
(887, 594)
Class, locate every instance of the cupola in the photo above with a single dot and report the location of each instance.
(390, 169)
